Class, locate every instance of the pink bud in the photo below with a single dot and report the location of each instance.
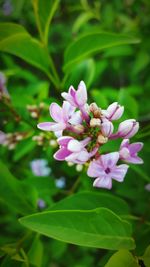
(107, 128)
(128, 128)
(114, 111)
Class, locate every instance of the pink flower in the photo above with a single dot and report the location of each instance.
(127, 129)
(64, 117)
(128, 152)
(104, 169)
(3, 138)
(114, 111)
(73, 150)
(78, 98)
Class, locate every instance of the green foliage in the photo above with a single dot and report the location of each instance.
(45, 47)
(98, 228)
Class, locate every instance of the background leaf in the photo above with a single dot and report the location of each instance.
(122, 258)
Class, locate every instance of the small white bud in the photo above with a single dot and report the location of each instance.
(34, 114)
(12, 146)
(53, 143)
(102, 139)
(79, 167)
(95, 122)
(70, 164)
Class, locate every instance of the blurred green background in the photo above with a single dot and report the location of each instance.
(30, 81)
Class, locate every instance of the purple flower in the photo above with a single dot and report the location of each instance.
(104, 169)
(127, 129)
(73, 150)
(78, 98)
(147, 187)
(128, 152)
(114, 111)
(41, 204)
(60, 182)
(64, 117)
(39, 167)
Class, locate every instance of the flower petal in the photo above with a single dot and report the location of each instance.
(68, 110)
(45, 126)
(74, 146)
(104, 182)
(61, 154)
(95, 169)
(135, 147)
(56, 112)
(76, 118)
(109, 160)
(81, 94)
(63, 141)
(119, 172)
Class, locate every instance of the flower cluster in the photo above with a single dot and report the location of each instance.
(83, 129)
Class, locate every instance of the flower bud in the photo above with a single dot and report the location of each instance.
(102, 139)
(107, 128)
(95, 122)
(79, 167)
(114, 111)
(128, 128)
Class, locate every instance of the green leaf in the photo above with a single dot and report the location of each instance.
(44, 12)
(99, 98)
(130, 104)
(98, 228)
(146, 257)
(14, 39)
(91, 200)
(17, 194)
(35, 253)
(92, 43)
(122, 258)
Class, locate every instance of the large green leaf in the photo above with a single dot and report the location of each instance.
(122, 258)
(17, 194)
(91, 200)
(98, 228)
(146, 257)
(44, 11)
(14, 39)
(93, 43)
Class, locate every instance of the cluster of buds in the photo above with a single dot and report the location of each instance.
(10, 140)
(35, 110)
(83, 129)
(41, 139)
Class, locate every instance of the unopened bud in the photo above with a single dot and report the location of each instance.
(41, 105)
(70, 164)
(19, 137)
(102, 139)
(79, 128)
(12, 146)
(53, 143)
(79, 167)
(34, 114)
(95, 122)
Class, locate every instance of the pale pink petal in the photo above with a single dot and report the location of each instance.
(83, 156)
(61, 154)
(56, 112)
(119, 172)
(104, 182)
(45, 126)
(72, 157)
(74, 146)
(95, 169)
(72, 91)
(58, 133)
(112, 108)
(109, 160)
(81, 94)
(76, 118)
(68, 110)
(63, 141)
(69, 98)
(57, 127)
(124, 143)
(135, 147)
(134, 160)
(124, 153)
(85, 141)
